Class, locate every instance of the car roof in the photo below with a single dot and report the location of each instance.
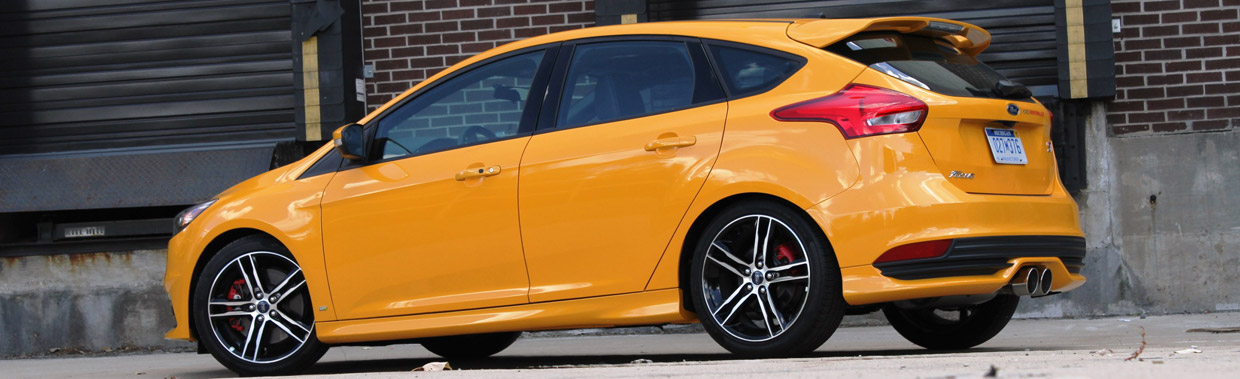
(782, 34)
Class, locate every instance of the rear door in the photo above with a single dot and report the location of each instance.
(615, 164)
(983, 133)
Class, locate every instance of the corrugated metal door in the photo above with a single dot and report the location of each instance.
(139, 103)
(91, 74)
(1023, 31)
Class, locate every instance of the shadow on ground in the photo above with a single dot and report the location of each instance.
(546, 362)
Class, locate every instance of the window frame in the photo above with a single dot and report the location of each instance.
(549, 114)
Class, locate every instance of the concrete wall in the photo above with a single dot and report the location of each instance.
(1160, 213)
(1162, 221)
(89, 302)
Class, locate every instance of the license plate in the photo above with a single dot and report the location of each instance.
(1005, 146)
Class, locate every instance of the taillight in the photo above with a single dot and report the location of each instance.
(919, 250)
(860, 111)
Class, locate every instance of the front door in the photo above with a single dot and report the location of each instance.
(432, 224)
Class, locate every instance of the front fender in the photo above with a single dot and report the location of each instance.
(276, 204)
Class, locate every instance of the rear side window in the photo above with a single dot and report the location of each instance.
(750, 71)
(926, 62)
(610, 81)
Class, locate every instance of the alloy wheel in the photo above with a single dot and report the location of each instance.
(259, 307)
(756, 278)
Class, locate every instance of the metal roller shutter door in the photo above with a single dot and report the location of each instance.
(88, 74)
(136, 103)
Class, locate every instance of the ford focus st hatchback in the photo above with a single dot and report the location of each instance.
(763, 178)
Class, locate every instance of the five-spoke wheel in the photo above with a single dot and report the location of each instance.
(253, 310)
(764, 281)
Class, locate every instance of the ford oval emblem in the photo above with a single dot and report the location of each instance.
(1013, 109)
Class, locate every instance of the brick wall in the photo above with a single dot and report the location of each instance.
(408, 41)
(1177, 65)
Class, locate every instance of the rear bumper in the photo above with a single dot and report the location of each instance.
(866, 284)
(903, 198)
(989, 255)
(972, 266)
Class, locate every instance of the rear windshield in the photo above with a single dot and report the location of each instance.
(926, 62)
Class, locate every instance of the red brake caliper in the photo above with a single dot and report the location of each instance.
(784, 255)
(234, 293)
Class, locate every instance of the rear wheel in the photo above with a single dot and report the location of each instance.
(472, 346)
(253, 312)
(765, 283)
(953, 328)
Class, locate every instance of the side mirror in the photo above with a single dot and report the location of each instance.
(348, 141)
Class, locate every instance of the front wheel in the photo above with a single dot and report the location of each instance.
(954, 328)
(764, 281)
(253, 312)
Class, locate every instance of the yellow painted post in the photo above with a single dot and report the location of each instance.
(1077, 74)
(310, 88)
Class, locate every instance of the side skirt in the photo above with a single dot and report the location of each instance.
(641, 308)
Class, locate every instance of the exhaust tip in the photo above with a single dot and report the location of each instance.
(1027, 282)
(1045, 280)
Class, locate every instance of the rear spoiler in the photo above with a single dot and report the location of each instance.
(820, 33)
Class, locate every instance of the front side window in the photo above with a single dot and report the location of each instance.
(483, 104)
(610, 81)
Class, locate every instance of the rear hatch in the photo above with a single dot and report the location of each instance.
(985, 133)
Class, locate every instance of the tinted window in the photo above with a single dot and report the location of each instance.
(483, 104)
(927, 62)
(748, 72)
(610, 81)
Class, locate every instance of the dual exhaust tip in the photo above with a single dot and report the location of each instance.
(1032, 281)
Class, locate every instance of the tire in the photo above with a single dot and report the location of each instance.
(786, 302)
(472, 346)
(956, 328)
(261, 307)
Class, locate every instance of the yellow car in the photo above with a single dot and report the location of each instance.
(763, 177)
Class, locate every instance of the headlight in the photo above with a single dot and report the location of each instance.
(187, 216)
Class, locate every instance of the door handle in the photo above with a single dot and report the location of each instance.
(671, 142)
(480, 172)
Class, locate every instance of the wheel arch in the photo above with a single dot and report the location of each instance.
(210, 251)
(699, 225)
